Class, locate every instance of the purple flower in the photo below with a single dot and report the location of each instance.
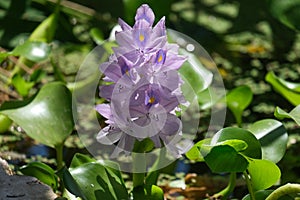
(142, 87)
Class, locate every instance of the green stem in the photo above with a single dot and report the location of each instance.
(139, 165)
(229, 189)
(249, 186)
(289, 188)
(59, 156)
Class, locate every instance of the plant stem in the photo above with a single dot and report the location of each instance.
(229, 189)
(59, 156)
(289, 188)
(249, 186)
(139, 166)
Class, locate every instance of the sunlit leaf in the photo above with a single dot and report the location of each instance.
(294, 114)
(238, 100)
(42, 172)
(98, 182)
(254, 148)
(225, 158)
(195, 74)
(22, 86)
(48, 117)
(46, 30)
(273, 138)
(263, 173)
(194, 152)
(289, 92)
(238, 145)
(5, 123)
(286, 11)
(34, 51)
(80, 159)
(148, 192)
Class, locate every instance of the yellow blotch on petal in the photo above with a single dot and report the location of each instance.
(151, 100)
(142, 37)
(160, 58)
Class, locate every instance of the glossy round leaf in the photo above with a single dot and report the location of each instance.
(230, 133)
(273, 138)
(42, 172)
(98, 182)
(48, 117)
(34, 51)
(263, 173)
(225, 158)
(238, 100)
(294, 114)
(281, 86)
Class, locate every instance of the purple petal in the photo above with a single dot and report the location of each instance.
(104, 110)
(109, 136)
(105, 91)
(125, 39)
(112, 71)
(160, 28)
(156, 141)
(169, 79)
(172, 125)
(173, 62)
(141, 37)
(144, 12)
(124, 25)
(125, 144)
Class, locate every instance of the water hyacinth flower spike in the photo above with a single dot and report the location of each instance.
(143, 87)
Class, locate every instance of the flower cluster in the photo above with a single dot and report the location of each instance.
(143, 87)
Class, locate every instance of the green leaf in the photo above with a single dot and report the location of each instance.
(273, 138)
(48, 117)
(46, 30)
(294, 114)
(263, 194)
(42, 172)
(148, 192)
(284, 88)
(225, 158)
(34, 51)
(254, 148)
(238, 100)
(80, 159)
(145, 145)
(194, 152)
(99, 182)
(286, 11)
(23, 87)
(195, 75)
(5, 123)
(97, 35)
(238, 145)
(71, 185)
(263, 173)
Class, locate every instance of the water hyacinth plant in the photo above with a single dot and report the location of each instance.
(143, 87)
